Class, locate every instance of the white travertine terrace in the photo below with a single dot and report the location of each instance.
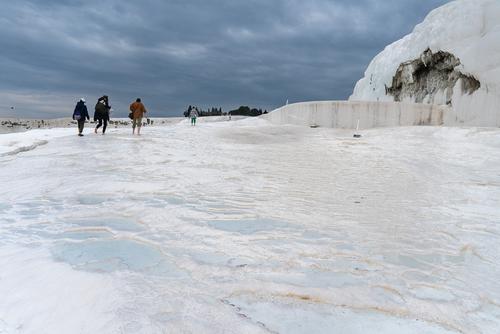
(467, 29)
(345, 114)
(249, 227)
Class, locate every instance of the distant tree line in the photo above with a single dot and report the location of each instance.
(241, 111)
(202, 113)
(247, 111)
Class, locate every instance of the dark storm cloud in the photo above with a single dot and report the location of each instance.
(174, 53)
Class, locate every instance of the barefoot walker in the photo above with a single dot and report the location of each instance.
(193, 114)
(137, 110)
(80, 114)
(101, 114)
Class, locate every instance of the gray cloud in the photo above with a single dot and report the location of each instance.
(174, 53)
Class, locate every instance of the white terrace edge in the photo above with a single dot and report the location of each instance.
(372, 114)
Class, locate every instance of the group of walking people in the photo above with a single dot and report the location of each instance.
(102, 113)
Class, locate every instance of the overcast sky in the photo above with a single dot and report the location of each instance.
(173, 53)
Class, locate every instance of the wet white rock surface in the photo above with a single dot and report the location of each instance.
(246, 227)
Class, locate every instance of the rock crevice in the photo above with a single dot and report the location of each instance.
(431, 78)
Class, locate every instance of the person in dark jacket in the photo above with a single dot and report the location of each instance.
(104, 98)
(80, 114)
(101, 114)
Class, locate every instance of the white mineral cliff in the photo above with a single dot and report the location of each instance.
(452, 58)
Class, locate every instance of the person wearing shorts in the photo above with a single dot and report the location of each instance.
(138, 110)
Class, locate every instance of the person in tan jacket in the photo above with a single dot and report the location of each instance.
(138, 110)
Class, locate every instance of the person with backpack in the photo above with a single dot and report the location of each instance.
(80, 114)
(137, 111)
(101, 114)
(193, 114)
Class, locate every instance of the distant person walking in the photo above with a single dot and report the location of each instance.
(137, 110)
(80, 114)
(101, 114)
(193, 114)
